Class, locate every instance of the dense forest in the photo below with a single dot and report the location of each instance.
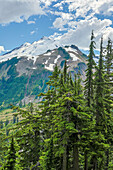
(71, 128)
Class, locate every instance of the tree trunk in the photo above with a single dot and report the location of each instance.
(86, 161)
(94, 164)
(61, 163)
(65, 158)
(107, 159)
(75, 158)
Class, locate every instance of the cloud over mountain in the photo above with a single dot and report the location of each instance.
(72, 19)
(19, 10)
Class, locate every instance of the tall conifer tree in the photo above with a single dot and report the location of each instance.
(100, 113)
(108, 99)
(89, 82)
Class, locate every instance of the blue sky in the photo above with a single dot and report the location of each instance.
(67, 21)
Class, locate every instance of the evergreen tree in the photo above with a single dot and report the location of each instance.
(47, 114)
(89, 90)
(71, 128)
(109, 58)
(108, 99)
(100, 113)
(14, 119)
(89, 82)
(100, 88)
(28, 137)
(11, 158)
(66, 118)
(3, 144)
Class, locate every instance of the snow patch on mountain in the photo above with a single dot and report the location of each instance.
(50, 67)
(47, 54)
(34, 58)
(70, 49)
(34, 68)
(47, 61)
(75, 58)
(55, 61)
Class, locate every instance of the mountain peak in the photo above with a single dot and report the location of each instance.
(35, 49)
(26, 44)
(45, 38)
(30, 65)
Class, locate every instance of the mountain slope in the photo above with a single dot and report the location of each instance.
(31, 50)
(23, 77)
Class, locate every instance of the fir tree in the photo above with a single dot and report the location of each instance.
(28, 137)
(108, 58)
(89, 88)
(100, 113)
(11, 158)
(89, 82)
(47, 113)
(100, 88)
(70, 129)
(108, 98)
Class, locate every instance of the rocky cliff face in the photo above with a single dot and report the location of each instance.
(24, 71)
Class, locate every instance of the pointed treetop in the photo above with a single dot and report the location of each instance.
(92, 35)
(101, 43)
(101, 40)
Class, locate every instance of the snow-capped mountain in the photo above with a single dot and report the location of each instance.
(24, 71)
(44, 48)
(31, 50)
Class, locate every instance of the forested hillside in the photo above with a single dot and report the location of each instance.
(71, 128)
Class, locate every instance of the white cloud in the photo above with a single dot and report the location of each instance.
(79, 29)
(59, 23)
(47, 2)
(32, 32)
(31, 22)
(59, 6)
(63, 15)
(2, 49)
(80, 36)
(97, 7)
(66, 16)
(19, 10)
(55, 36)
(106, 7)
